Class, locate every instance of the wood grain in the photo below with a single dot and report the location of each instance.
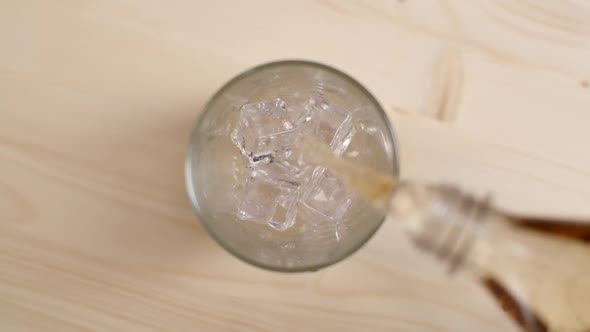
(97, 99)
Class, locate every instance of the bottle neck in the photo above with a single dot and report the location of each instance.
(440, 219)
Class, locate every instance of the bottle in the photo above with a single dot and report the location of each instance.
(539, 270)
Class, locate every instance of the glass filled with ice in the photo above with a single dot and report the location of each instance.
(249, 179)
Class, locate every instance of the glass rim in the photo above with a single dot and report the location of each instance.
(192, 184)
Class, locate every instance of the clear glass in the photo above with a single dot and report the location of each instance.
(213, 167)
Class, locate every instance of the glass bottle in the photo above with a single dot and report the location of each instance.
(539, 270)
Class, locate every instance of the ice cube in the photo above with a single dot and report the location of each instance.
(265, 131)
(268, 199)
(330, 124)
(299, 109)
(327, 198)
(296, 164)
(279, 182)
(277, 173)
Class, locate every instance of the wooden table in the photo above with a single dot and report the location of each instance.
(97, 99)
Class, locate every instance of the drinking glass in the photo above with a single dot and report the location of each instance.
(214, 167)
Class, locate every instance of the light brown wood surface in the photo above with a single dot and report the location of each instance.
(97, 99)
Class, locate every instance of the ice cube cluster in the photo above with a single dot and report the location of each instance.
(279, 184)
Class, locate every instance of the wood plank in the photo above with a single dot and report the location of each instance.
(98, 99)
